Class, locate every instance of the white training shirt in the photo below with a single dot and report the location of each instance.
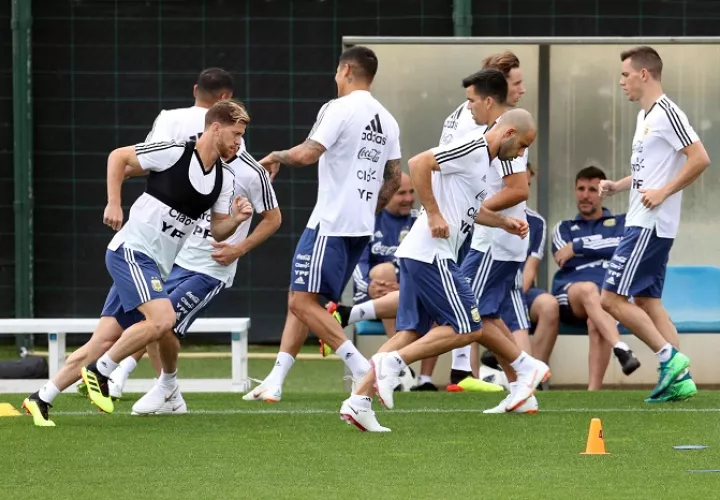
(180, 125)
(360, 136)
(154, 228)
(252, 182)
(458, 190)
(505, 246)
(656, 159)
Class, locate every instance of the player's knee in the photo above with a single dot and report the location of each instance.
(383, 272)
(609, 302)
(298, 303)
(548, 307)
(161, 321)
(586, 291)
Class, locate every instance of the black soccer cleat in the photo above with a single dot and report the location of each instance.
(427, 386)
(38, 409)
(340, 312)
(627, 359)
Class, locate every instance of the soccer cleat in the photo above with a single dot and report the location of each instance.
(160, 401)
(526, 383)
(325, 349)
(472, 384)
(340, 312)
(38, 410)
(265, 392)
(627, 359)
(680, 390)
(427, 386)
(386, 378)
(669, 371)
(362, 418)
(97, 385)
(530, 406)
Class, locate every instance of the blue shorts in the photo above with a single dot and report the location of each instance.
(190, 292)
(435, 293)
(637, 268)
(532, 294)
(491, 280)
(514, 311)
(136, 278)
(324, 264)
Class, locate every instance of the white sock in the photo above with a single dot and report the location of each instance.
(395, 362)
(168, 380)
(522, 363)
(105, 365)
(49, 392)
(461, 359)
(357, 363)
(362, 312)
(664, 353)
(360, 401)
(621, 345)
(123, 371)
(425, 379)
(283, 363)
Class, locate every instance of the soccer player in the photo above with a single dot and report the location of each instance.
(180, 125)
(185, 181)
(667, 156)
(583, 247)
(357, 143)
(448, 180)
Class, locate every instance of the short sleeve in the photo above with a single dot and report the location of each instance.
(509, 167)
(223, 205)
(460, 156)
(163, 129)
(675, 127)
(329, 124)
(260, 192)
(158, 156)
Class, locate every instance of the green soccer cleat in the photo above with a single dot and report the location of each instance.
(679, 391)
(669, 371)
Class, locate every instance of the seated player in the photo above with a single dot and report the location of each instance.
(583, 247)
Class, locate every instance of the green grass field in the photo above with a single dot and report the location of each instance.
(441, 446)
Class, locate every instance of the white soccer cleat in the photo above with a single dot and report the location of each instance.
(527, 381)
(530, 406)
(263, 392)
(115, 389)
(160, 401)
(362, 418)
(386, 378)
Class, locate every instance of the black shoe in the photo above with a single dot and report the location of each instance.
(489, 360)
(340, 312)
(41, 405)
(627, 360)
(102, 379)
(457, 376)
(427, 386)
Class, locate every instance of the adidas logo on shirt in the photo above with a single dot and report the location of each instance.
(373, 132)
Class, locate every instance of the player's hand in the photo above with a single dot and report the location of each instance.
(564, 254)
(241, 209)
(652, 198)
(271, 165)
(517, 227)
(438, 227)
(607, 188)
(113, 216)
(225, 253)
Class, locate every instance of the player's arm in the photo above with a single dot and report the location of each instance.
(562, 244)
(512, 225)
(602, 248)
(516, 189)
(696, 163)
(421, 168)
(307, 153)
(609, 188)
(391, 183)
(537, 253)
(532, 264)
(162, 131)
(229, 211)
(361, 275)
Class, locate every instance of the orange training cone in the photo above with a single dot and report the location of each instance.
(595, 441)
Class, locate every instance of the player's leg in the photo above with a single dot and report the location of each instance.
(332, 261)
(107, 332)
(598, 357)
(385, 307)
(119, 376)
(445, 292)
(545, 316)
(138, 284)
(386, 272)
(191, 293)
(584, 301)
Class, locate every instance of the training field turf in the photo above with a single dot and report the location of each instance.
(441, 447)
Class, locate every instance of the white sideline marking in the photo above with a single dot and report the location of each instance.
(240, 411)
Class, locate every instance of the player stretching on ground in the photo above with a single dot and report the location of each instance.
(185, 181)
(448, 181)
(667, 156)
(357, 142)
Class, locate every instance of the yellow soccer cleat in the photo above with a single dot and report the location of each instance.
(97, 387)
(38, 410)
(472, 384)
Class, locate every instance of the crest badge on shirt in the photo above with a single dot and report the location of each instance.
(403, 233)
(156, 284)
(609, 223)
(475, 314)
